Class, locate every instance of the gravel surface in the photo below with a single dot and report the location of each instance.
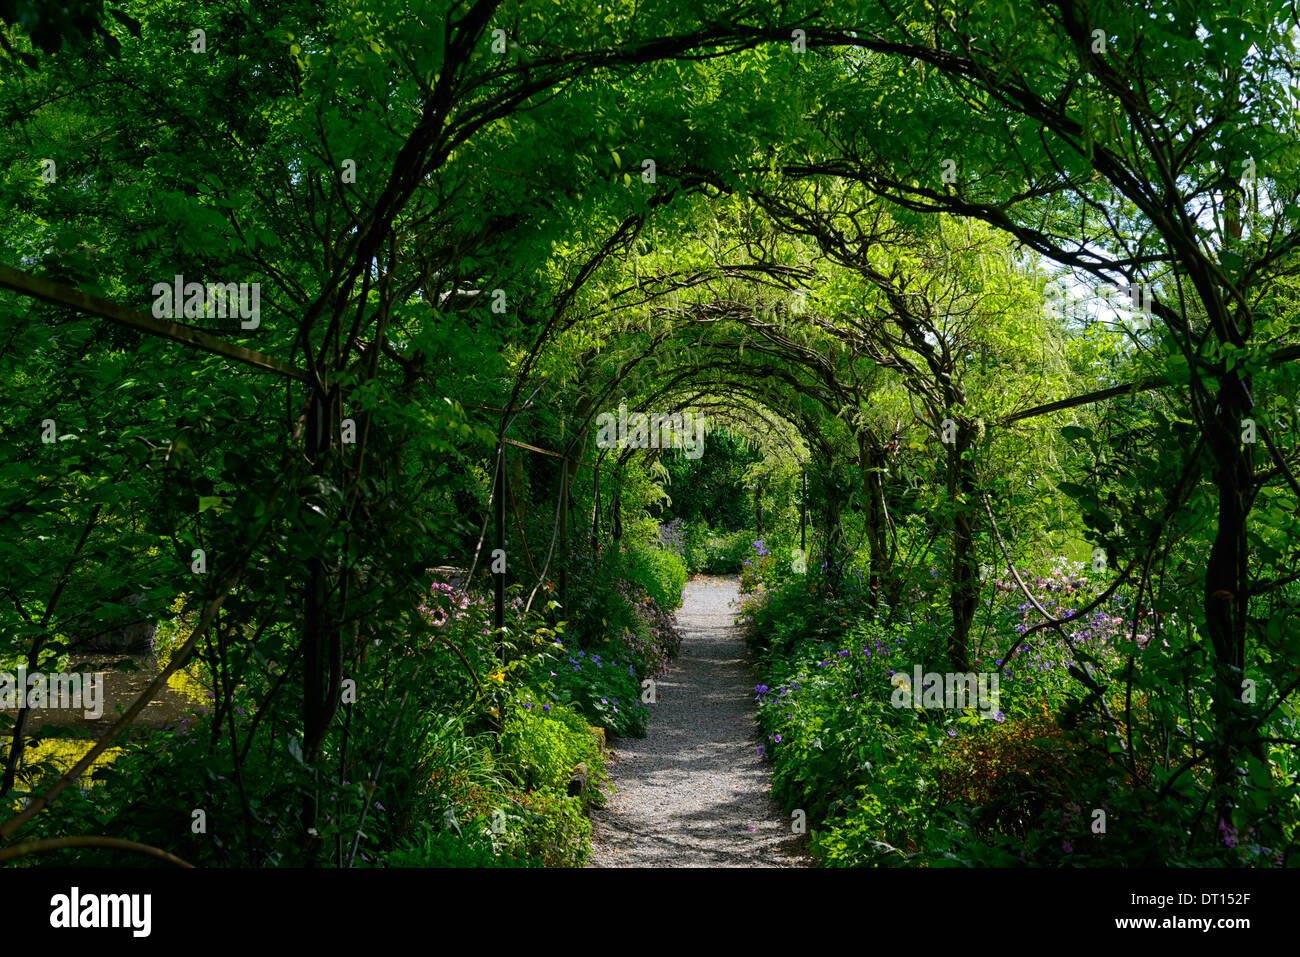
(695, 792)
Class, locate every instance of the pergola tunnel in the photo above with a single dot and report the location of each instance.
(549, 435)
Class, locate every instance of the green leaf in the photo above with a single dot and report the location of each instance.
(132, 25)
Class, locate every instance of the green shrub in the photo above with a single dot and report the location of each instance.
(449, 848)
(661, 573)
(541, 828)
(549, 827)
(716, 553)
(541, 744)
(509, 810)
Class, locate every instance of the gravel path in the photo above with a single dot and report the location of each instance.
(695, 792)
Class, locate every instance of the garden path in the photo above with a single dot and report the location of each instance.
(696, 792)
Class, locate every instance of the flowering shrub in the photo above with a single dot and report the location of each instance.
(831, 729)
(884, 785)
(446, 618)
(610, 600)
(750, 602)
(540, 742)
(672, 537)
(446, 603)
(759, 568)
(653, 638)
(623, 635)
(605, 691)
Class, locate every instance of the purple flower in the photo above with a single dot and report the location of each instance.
(1229, 834)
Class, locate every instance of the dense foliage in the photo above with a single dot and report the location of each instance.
(978, 321)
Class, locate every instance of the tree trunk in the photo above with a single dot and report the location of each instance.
(834, 539)
(322, 648)
(1227, 571)
(872, 460)
(1227, 577)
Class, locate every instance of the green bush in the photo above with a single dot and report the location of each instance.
(541, 744)
(508, 809)
(549, 827)
(449, 848)
(541, 828)
(716, 553)
(661, 573)
(843, 754)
